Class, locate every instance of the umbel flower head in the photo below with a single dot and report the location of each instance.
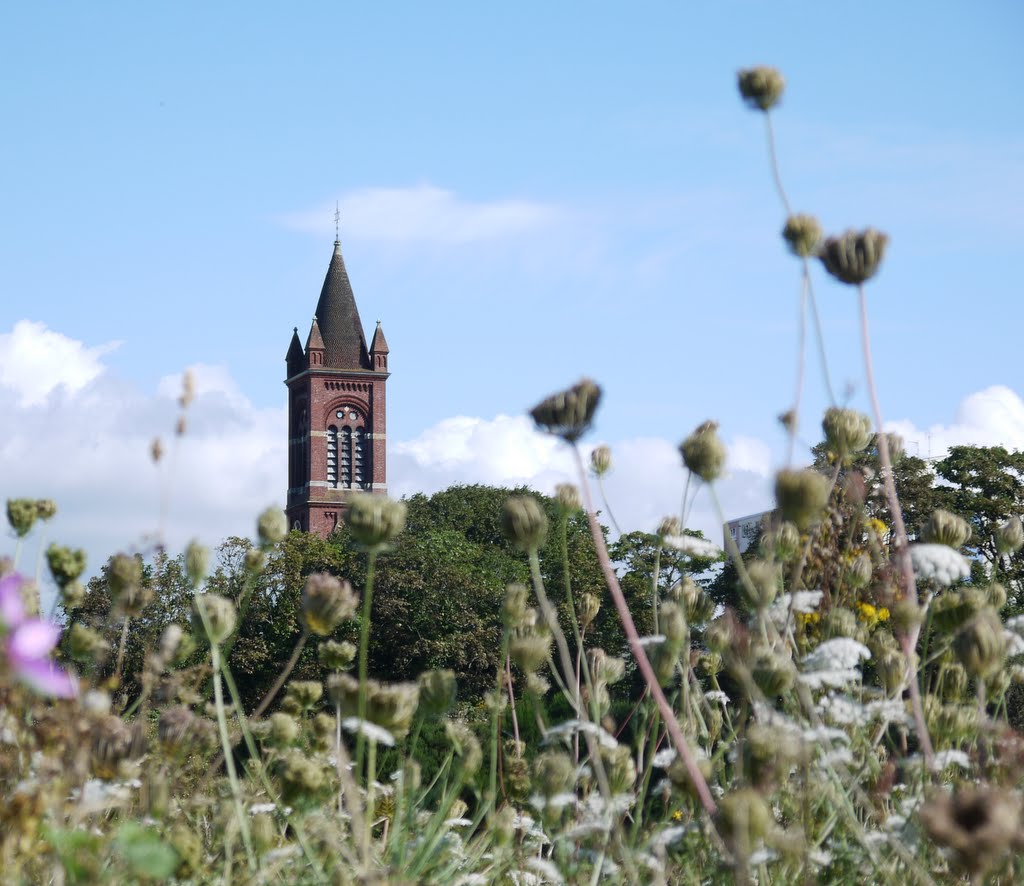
(374, 520)
(847, 431)
(26, 644)
(801, 496)
(944, 528)
(803, 235)
(214, 616)
(703, 452)
(326, 602)
(524, 522)
(854, 256)
(568, 413)
(761, 87)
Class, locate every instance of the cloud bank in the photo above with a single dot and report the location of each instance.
(427, 214)
(77, 433)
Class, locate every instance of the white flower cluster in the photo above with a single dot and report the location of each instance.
(834, 663)
(845, 711)
(803, 602)
(573, 727)
(939, 563)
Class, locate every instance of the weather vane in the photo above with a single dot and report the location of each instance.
(337, 221)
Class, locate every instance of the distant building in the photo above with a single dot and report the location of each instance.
(336, 417)
(745, 530)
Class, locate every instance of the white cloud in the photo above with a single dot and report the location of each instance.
(991, 417)
(34, 361)
(427, 214)
(83, 438)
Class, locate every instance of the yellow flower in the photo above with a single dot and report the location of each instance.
(808, 618)
(878, 527)
(871, 615)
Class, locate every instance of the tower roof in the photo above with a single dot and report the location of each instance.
(338, 319)
(295, 354)
(379, 345)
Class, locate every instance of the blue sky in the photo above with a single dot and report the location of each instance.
(529, 193)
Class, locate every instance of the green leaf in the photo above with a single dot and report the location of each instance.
(145, 853)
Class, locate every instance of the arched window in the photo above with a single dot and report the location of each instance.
(358, 460)
(332, 456)
(346, 458)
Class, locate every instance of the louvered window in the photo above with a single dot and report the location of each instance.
(332, 456)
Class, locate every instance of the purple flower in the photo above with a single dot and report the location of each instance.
(26, 644)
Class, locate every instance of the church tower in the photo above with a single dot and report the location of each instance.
(336, 404)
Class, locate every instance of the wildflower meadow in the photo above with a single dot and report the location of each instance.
(501, 687)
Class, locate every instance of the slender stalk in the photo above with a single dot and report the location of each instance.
(121, 648)
(229, 760)
(822, 356)
(364, 653)
(800, 362)
(902, 554)
(678, 739)
(279, 682)
(774, 162)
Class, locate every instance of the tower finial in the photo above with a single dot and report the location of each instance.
(337, 222)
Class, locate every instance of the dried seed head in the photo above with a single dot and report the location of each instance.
(568, 497)
(606, 669)
(374, 520)
(841, 622)
(22, 515)
(392, 706)
(669, 527)
(980, 644)
(111, 745)
(65, 564)
(255, 561)
(156, 450)
(466, 746)
(772, 673)
(803, 235)
(72, 595)
(760, 592)
(1010, 536)
(978, 823)
(703, 452)
(220, 617)
(188, 388)
(600, 460)
(524, 522)
(123, 572)
(761, 87)
(197, 562)
(672, 621)
(86, 645)
(801, 496)
(787, 541)
(283, 730)
(514, 608)
(305, 693)
(181, 426)
(897, 449)
(554, 773)
(744, 819)
(530, 651)
(995, 594)
(847, 432)
(568, 413)
(46, 509)
(891, 667)
(437, 692)
(860, 571)
(587, 610)
(301, 778)
(854, 256)
(326, 602)
(337, 656)
(620, 768)
(948, 529)
(271, 526)
(175, 728)
(343, 692)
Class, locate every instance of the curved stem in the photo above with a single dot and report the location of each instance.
(279, 682)
(902, 554)
(678, 739)
(774, 162)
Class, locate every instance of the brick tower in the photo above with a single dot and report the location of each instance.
(336, 440)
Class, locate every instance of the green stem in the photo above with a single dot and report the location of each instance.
(364, 654)
(269, 697)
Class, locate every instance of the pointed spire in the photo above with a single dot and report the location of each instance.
(379, 345)
(338, 317)
(295, 360)
(314, 341)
